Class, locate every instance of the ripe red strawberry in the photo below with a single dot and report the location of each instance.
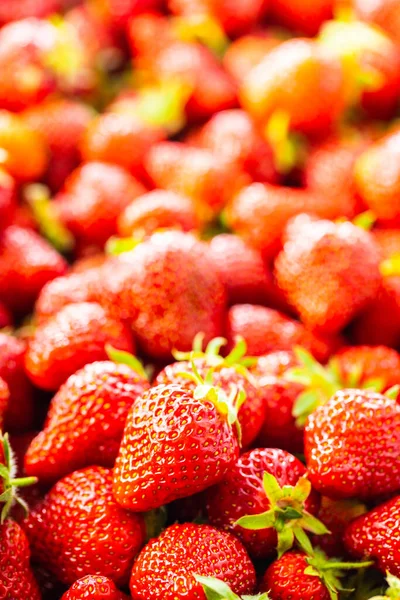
(321, 256)
(17, 581)
(75, 336)
(61, 123)
(364, 365)
(292, 79)
(79, 517)
(384, 13)
(375, 535)
(165, 568)
(336, 515)
(15, 10)
(246, 52)
(19, 414)
(148, 33)
(92, 405)
(158, 209)
(27, 262)
(266, 330)
(352, 445)
(377, 178)
(240, 17)
(7, 199)
(169, 290)
(194, 172)
(305, 16)
(258, 498)
(118, 12)
(232, 136)
(95, 587)
(94, 196)
(4, 400)
(174, 454)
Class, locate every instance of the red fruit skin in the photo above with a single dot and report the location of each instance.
(176, 455)
(7, 199)
(20, 411)
(388, 241)
(252, 412)
(241, 493)
(70, 523)
(27, 262)
(239, 17)
(375, 535)
(305, 16)
(93, 198)
(158, 209)
(168, 290)
(4, 399)
(16, 578)
(74, 337)
(384, 13)
(15, 10)
(336, 515)
(374, 362)
(182, 550)
(96, 587)
(267, 330)
(352, 446)
(6, 319)
(232, 135)
(91, 406)
(120, 11)
(285, 580)
(246, 52)
(328, 272)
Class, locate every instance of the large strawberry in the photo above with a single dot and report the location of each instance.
(375, 535)
(74, 337)
(266, 500)
(94, 587)
(167, 566)
(320, 256)
(176, 442)
(85, 422)
(79, 518)
(169, 290)
(352, 445)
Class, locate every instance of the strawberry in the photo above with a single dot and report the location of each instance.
(215, 589)
(367, 365)
(305, 16)
(158, 209)
(379, 191)
(384, 13)
(340, 462)
(297, 576)
(232, 135)
(246, 52)
(375, 535)
(266, 330)
(17, 581)
(184, 457)
(75, 336)
(79, 517)
(27, 262)
(92, 199)
(148, 33)
(19, 414)
(119, 11)
(93, 404)
(156, 288)
(6, 319)
(15, 10)
(4, 400)
(291, 80)
(273, 502)
(240, 17)
(7, 199)
(336, 515)
(182, 551)
(320, 256)
(194, 172)
(388, 241)
(61, 123)
(95, 587)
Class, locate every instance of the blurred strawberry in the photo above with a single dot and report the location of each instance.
(118, 12)
(15, 10)
(149, 33)
(27, 262)
(6, 319)
(336, 515)
(388, 241)
(239, 17)
(246, 52)
(305, 16)
(4, 400)
(74, 337)
(7, 199)
(384, 13)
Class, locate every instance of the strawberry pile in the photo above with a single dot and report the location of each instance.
(200, 300)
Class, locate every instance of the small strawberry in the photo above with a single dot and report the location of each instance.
(296, 576)
(184, 551)
(17, 581)
(375, 535)
(266, 500)
(74, 337)
(93, 197)
(27, 262)
(174, 455)
(266, 330)
(352, 445)
(169, 290)
(320, 256)
(92, 405)
(159, 209)
(95, 587)
(305, 16)
(79, 517)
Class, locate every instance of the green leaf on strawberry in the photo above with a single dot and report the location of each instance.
(215, 589)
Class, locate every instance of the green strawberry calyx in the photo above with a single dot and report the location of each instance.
(9, 484)
(215, 589)
(126, 358)
(287, 514)
(331, 571)
(393, 591)
(321, 382)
